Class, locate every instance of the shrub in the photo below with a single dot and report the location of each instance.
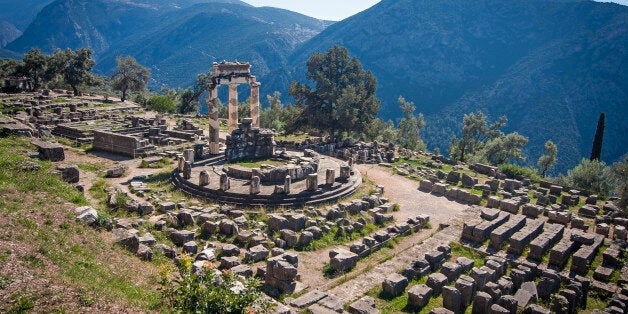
(209, 290)
(516, 172)
(161, 104)
(592, 176)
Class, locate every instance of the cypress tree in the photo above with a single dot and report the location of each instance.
(596, 151)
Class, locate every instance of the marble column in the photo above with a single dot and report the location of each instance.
(255, 106)
(214, 128)
(233, 107)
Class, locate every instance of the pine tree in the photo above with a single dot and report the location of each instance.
(596, 151)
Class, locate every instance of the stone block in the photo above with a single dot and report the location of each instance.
(365, 305)
(342, 260)
(452, 299)
(394, 285)
(436, 281)
(482, 303)
(419, 296)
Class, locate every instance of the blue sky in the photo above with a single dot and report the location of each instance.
(334, 10)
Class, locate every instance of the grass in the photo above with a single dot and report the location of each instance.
(91, 167)
(331, 238)
(298, 138)
(37, 210)
(256, 163)
(458, 249)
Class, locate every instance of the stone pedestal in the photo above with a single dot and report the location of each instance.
(311, 182)
(330, 177)
(224, 182)
(188, 154)
(203, 178)
(181, 164)
(345, 173)
(198, 151)
(286, 184)
(233, 107)
(255, 182)
(187, 170)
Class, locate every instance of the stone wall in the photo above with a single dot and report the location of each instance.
(247, 142)
(120, 143)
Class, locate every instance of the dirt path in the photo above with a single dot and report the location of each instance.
(412, 203)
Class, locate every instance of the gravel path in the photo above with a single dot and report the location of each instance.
(412, 201)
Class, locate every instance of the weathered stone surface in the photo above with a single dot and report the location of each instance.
(116, 172)
(365, 305)
(482, 303)
(526, 294)
(291, 237)
(419, 296)
(451, 270)
(342, 260)
(308, 299)
(394, 285)
(127, 239)
(145, 208)
(144, 253)
(228, 227)
(535, 309)
(230, 250)
(190, 247)
(228, 262)
(179, 237)
(466, 286)
(436, 281)
(497, 309)
(452, 299)
(256, 253)
(86, 214)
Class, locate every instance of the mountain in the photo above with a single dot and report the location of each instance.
(8, 33)
(550, 66)
(20, 13)
(176, 39)
(189, 41)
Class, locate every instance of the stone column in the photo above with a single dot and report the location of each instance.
(224, 182)
(203, 179)
(187, 170)
(214, 129)
(233, 107)
(254, 188)
(255, 107)
(181, 164)
(345, 172)
(286, 184)
(330, 177)
(188, 154)
(311, 182)
(198, 151)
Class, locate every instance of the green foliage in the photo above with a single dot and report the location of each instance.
(278, 117)
(592, 176)
(514, 171)
(22, 305)
(382, 131)
(548, 160)
(596, 150)
(163, 104)
(343, 98)
(486, 143)
(210, 291)
(409, 126)
(74, 66)
(129, 76)
(620, 174)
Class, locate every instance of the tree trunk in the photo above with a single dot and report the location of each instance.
(596, 150)
(75, 89)
(123, 95)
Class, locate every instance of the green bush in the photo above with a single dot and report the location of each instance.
(514, 172)
(592, 176)
(210, 291)
(161, 104)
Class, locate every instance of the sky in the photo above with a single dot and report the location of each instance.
(333, 10)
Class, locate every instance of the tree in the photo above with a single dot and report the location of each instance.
(596, 150)
(409, 125)
(475, 134)
(592, 176)
(343, 98)
(548, 160)
(161, 104)
(76, 68)
(620, 174)
(34, 66)
(502, 149)
(129, 76)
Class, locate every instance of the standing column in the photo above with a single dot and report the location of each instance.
(255, 108)
(214, 129)
(233, 107)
